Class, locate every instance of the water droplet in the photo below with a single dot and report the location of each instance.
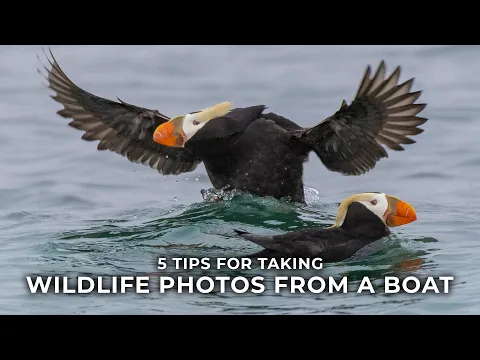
(186, 178)
(166, 156)
(175, 198)
(196, 179)
(246, 174)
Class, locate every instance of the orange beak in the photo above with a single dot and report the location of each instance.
(399, 212)
(165, 135)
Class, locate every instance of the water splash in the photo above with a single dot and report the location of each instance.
(214, 195)
(312, 196)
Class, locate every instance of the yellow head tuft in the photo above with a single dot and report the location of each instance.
(342, 209)
(213, 112)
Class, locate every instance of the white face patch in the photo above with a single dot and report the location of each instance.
(191, 126)
(378, 205)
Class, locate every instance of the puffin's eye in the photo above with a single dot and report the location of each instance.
(373, 202)
(195, 122)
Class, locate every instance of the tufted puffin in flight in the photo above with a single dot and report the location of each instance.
(245, 148)
(361, 220)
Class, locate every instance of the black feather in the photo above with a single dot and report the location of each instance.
(382, 113)
(360, 228)
(118, 126)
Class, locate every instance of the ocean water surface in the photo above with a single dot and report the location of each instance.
(68, 209)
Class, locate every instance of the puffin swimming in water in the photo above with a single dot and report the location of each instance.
(245, 148)
(361, 220)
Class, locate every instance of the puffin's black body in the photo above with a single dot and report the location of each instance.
(360, 228)
(246, 149)
(253, 152)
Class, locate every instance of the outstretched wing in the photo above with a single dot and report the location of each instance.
(120, 127)
(382, 113)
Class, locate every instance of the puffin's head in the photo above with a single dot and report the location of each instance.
(178, 130)
(391, 210)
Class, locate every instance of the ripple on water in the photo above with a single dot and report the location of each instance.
(120, 246)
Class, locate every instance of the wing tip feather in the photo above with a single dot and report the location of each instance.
(396, 103)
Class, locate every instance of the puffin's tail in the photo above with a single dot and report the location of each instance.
(262, 240)
(241, 232)
(382, 113)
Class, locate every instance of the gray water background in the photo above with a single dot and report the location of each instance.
(67, 209)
